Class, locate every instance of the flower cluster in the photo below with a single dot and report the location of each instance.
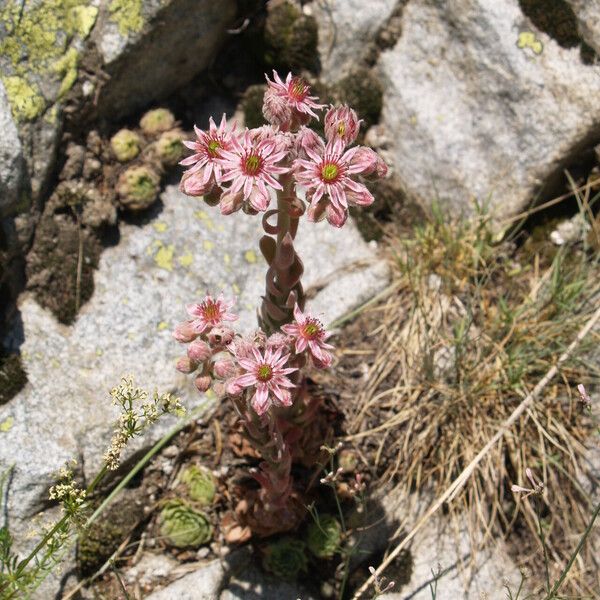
(241, 169)
(263, 366)
(137, 414)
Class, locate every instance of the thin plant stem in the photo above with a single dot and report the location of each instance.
(552, 593)
(544, 545)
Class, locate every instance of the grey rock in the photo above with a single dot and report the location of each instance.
(345, 28)
(463, 571)
(588, 21)
(206, 581)
(468, 113)
(141, 288)
(12, 163)
(255, 585)
(167, 41)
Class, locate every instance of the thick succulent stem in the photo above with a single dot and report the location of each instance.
(283, 289)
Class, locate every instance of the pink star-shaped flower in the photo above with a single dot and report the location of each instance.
(211, 312)
(309, 332)
(268, 375)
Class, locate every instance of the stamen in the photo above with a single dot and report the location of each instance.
(329, 172)
(264, 372)
(213, 147)
(253, 164)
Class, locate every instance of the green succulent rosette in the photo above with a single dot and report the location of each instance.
(184, 527)
(285, 558)
(323, 538)
(200, 483)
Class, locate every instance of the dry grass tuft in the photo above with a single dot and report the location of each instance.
(470, 329)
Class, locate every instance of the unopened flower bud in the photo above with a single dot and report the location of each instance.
(276, 109)
(220, 336)
(233, 389)
(305, 139)
(203, 382)
(224, 368)
(336, 216)
(370, 163)
(186, 365)
(185, 332)
(199, 351)
(231, 203)
(341, 123)
(192, 184)
(316, 212)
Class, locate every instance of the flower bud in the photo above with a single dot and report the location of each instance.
(203, 382)
(231, 203)
(316, 212)
(220, 336)
(276, 110)
(341, 123)
(185, 332)
(233, 389)
(224, 368)
(192, 184)
(186, 365)
(199, 351)
(370, 162)
(336, 216)
(307, 138)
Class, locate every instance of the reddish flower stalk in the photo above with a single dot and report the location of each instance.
(262, 374)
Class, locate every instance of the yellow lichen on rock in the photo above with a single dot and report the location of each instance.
(25, 100)
(38, 40)
(127, 14)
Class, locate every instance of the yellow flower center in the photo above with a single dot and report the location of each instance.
(311, 330)
(264, 372)
(329, 172)
(253, 164)
(341, 129)
(213, 147)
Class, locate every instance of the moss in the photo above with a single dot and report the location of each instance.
(25, 100)
(363, 92)
(290, 37)
(252, 105)
(125, 145)
(127, 14)
(138, 187)
(156, 121)
(12, 376)
(37, 41)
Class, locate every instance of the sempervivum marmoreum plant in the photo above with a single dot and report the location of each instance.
(261, 373)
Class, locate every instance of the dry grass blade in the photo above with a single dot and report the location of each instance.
(462, 349)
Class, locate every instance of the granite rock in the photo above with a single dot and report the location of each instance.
(141, 288)
(587, 13)
(346, 27)
(480, 104)
(169, 42)
(12, 163)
